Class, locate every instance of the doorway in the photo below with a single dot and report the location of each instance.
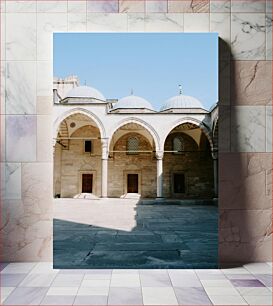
(87, 183)
(132, 183)
(179, 183)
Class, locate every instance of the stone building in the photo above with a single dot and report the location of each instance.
(122, 148)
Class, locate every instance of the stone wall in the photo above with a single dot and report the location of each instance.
(143, 163)
(196, 164)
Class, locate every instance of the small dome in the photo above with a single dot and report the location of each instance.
(133, 102)
(182, 101)
(84, 92)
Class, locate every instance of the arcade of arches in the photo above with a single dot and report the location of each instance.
(128, 162)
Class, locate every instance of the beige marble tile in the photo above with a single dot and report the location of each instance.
(20, 36)
(251, 83)
(196, 22)
(131, 6)
(245, 236)
(243, 181)
(188, 6)
(77, 22)
(159, 22)
(99, 22)
(44, 105)
(44, 138)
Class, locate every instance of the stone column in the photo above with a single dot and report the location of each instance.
(215, 172)
(104, 168)
(159, 176)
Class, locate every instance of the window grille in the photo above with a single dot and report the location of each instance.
(178, 145)
(132, 145)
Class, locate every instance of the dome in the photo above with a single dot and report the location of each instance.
(133, 102)
(84, 92)
(182, 101)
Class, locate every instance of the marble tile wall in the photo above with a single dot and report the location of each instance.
(245, 124)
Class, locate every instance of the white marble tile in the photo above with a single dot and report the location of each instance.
(171, 22)
(3, 6)
(159, 296)
(268, 128)
(254, 291)
(249, 6)
(269, 6)
(20, 36)
(44, 105)
(77, 22)
(18, 268)
(227, 300)
(20, 87)
(136, 22)
(44, 141)
(62, 291)
(21, 140)
(213, 291)
(3, 139)
(12, 181)
(38, 280)
(216, 283)
(258, 299)
(103, 6)
(46, 25)
(125, 280)
(220, 6)
(43, 268)
(87, 291)
(220, 23)
(52, 6)
(248, 36)
(21, 6)
(3, 36)
(268, 23)
(108, 22)
(78, 6)
(198, 22)
(248, 129)
(5, 292)
(258, 268)
(156, 6)
(3, 86)
(68, 280)
(95, 283)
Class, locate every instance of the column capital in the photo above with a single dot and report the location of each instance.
(159, 154)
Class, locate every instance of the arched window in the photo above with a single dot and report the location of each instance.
(178, 145)
(132, 145)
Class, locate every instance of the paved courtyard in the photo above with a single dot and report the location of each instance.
(121, 233)
(40, 284)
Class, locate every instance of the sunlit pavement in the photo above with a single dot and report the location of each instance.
(120, 233)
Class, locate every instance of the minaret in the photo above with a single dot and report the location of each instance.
(180, 89)
(132, 91)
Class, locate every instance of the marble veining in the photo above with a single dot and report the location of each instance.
(106, 22)
(20, 90)
(131, 6)
(77, 6)
(77, 22)
(268, 24)
(220, 6)
(188, 6)
(52, 6)
(248, 129)
(12, 181)
(20, 36)
(248, 36)
(164, 22)
(21, 143)
(21, 6)
(249, 6)
(268, 128)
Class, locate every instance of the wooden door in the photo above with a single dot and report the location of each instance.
(87, 183)
(179, 183)
(132, 183)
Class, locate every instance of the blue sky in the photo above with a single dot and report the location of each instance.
(152, 64)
